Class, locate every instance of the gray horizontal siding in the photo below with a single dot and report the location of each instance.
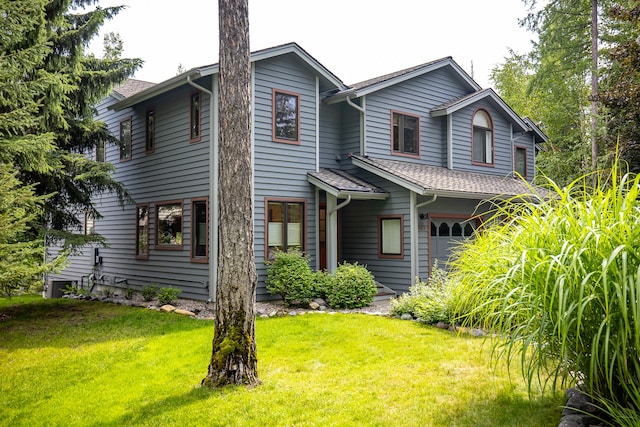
(416, 96)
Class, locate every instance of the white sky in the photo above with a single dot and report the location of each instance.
(354, 39)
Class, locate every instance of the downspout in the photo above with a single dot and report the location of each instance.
(213, 183)
(332, 230)
(341, 205)
(449, 142)
(363, 129)
(415, 243)
(513, 148)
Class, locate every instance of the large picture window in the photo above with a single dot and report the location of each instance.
(199, 230)
(285, 226)
(142, 231)
(169, 225)
(405, 134)
(286, 117)
(391, 236)
(125, 139)
(482, 138)
(194, 127)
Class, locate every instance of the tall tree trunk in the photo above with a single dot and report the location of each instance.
(594, 85)
(233, 359)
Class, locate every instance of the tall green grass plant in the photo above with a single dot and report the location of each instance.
(560, 280)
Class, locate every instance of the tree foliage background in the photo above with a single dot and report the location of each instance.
(48, 89)
(550, 84)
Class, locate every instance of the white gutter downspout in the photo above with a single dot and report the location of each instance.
(332, 230)
(363, 129)
(415, 243)
(213, 183)
(449, 142)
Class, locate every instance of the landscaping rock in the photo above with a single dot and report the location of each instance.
(442, 325)
(184, 312)
(314, 305)
(273, 314)
(406, 316)
(168, 308)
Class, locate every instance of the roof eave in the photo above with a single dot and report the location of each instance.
(342, 194)
(165, 86)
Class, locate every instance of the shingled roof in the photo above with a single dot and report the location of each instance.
(131, 87)
(444, 182)
(341, 184)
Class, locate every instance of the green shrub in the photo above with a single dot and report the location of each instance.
(149, 292)
(321, 280)
(168, 295)
(351, 286)
(290, 276)
(560, 282)
(129, 292)
(428, 302)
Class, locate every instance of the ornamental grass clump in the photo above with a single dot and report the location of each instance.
(559, 280)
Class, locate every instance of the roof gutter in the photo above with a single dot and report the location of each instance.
(213, 184)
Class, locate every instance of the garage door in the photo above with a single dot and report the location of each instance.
(445, 234)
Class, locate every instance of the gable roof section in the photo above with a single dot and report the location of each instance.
(372, 85)
(130, 87)
(430, 180)
(540, 136)
(342, 184)
(207, 70)
(464, 101)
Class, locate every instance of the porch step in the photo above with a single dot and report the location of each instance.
(383, 293)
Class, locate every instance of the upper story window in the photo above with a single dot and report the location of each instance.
(100, 152)
(150, 132)
(194, 127)
(169, 225)
(286, 117)
(285, 226)
(89, 222)
(125, 139)
(520, 161)
(405, 138)
(482, 144)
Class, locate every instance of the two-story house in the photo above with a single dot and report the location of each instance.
(386, 172)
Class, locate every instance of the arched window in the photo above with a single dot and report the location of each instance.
(482, 138)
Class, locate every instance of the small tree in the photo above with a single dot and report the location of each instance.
(20, 256)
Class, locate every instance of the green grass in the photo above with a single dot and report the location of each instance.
(67, 362)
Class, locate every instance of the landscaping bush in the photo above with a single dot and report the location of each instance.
(290, 276)
(149, 292)
(559, 280)
(427, 302)
(168, 295)
(351, 286)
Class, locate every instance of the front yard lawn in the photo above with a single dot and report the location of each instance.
(70, 362)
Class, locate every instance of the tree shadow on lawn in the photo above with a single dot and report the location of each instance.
(509, 410)
(70, 323)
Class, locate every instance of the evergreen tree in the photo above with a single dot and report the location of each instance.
(77, 83)
(621, 94)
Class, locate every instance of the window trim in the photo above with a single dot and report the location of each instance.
(165, 247)
(192, 256)
(151, 150)
(402, 153)
(138, 255)
(198, 137)
(526, 158)
(129, 143)
(273, 117)
(381, 254)
(493, 139)
(268, 200)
